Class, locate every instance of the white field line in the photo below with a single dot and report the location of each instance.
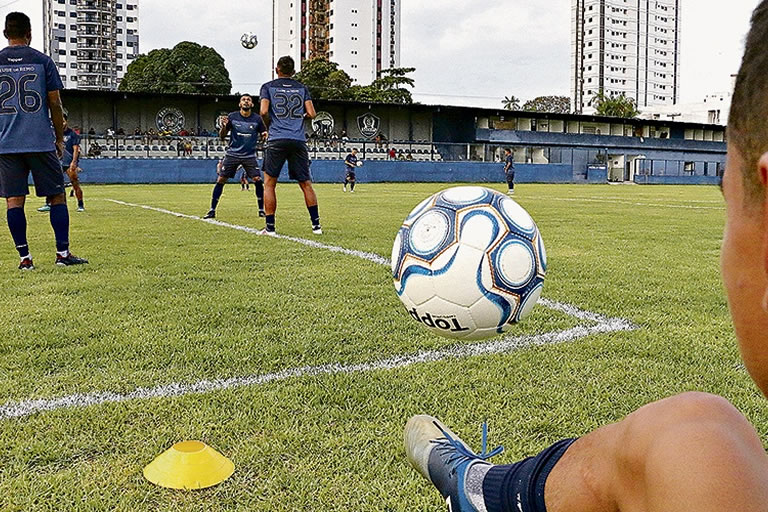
(602, 324)
(632, 203)
(508, 344)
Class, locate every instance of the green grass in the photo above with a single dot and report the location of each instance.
(168, 299)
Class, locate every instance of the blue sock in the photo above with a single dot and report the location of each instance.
(217, 190)
(17, 223)
(520, 486)
(60, 224)
(270, 222)
(260, 194)
(314, 215)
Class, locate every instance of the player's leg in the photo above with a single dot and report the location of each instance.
(511, 183)
(77, 189)
(14, 188)
(352, 180)
(346, 180)
(691, 452)
(298, 169)
(243, 180)
(274, 159)
(228, 170)
(49, 182)
(251, 169)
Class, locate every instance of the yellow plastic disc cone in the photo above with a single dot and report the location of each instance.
(189, 465)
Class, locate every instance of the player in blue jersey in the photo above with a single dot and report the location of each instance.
(509, 170)
(30, 140)
(69, 166)
(284, 105)
(246, 129)
(350, 165)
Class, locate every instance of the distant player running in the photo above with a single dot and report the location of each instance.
(284, 104)
(30, 140)
(509, 170)
(350, 163)
(246, 129)
(69, 165)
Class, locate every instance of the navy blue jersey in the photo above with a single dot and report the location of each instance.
(26, 78)
(71, 139)
(286, 108)
(244, 134)
(510, 161)
(351, 162)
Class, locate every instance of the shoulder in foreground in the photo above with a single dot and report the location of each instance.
(27, 54)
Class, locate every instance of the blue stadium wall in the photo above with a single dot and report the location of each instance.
(117, 170)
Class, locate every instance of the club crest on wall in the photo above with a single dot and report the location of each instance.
(323, 124)
(170, 119)
(369, 125)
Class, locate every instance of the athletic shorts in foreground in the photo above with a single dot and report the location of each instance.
(295, 151)
(231, 163)
(45, 169)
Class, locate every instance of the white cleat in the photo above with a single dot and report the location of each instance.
(317, 230)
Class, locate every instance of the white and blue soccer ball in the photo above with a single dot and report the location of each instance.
(469, 263)
(249, 40)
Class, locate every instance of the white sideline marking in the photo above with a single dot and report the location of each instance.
(176, 389)
(602, 324)
(633, 203)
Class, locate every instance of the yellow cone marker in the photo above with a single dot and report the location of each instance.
(189, 465)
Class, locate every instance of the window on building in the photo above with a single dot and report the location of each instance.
(72, 39)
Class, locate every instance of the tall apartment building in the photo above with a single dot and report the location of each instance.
(91, 41)
(362, 36)
(629, 47)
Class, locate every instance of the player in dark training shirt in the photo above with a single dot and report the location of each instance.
(29, 88)
(246, 129)
(350, 164)
(284, 104)
(69, 160)
(509, 170)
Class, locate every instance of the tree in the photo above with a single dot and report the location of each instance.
(324, 79)
(187, 68)
(552, 104)
(616, 106)
(511, 103)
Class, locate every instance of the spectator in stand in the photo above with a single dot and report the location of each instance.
(408, 156)
(91, 131)
(344, 138)
(188, 147)
(334, 139)
(137, 132)
(392, 153)
(110, 134)
(94, 150)
(120, 131)
(184, 132)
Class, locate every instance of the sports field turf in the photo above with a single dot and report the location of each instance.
(174, 300)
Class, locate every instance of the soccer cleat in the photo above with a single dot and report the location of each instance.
(444, 459)
(317, 229)
(267, 232)
(44, 208)
(262, 213)
(26, 264)
(69, 259)
(344, 189)
(511, 192)
(210, 215)
(81, 208)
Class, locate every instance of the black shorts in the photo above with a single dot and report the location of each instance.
(46, 174)
(510, 177)
(295, 151)
(231, 163)
(351, 175)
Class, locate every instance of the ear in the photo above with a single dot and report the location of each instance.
(762, 174)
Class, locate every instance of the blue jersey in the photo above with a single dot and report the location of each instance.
(510, 161)
(351, 162)
(26, 78)
(71, 139)
(244, 134)
(286, 108)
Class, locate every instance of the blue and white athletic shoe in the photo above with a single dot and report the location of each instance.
(444, 459)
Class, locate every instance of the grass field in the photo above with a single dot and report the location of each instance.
(176, 300)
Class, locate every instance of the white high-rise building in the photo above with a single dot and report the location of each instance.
(362, 36)
(629, 47)
(91, 41)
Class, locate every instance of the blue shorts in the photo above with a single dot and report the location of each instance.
(231, 163)
(295, 151)
(46, 174)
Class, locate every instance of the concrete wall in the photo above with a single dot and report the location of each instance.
(677, 180)
(117, 170)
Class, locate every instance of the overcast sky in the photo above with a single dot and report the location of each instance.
(465, 53)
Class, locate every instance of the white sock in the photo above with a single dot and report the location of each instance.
(63, 254)
(473, 485)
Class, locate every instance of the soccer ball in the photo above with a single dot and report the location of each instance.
(359, 163)
(468, 263)
(249, 40)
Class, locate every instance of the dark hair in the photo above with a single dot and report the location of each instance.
(748, 120)
(508, 149)
(286, 65)
(17, 25)
(246, 94)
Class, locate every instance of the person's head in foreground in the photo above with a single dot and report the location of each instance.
(693, 452)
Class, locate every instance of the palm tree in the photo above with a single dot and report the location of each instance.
(511, 103)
